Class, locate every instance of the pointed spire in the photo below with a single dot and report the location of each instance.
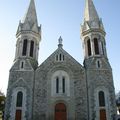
(90, 11)
(60, 42)
(31, 16)
(29, 23)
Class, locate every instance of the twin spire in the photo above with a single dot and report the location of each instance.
(89, 15)
(30, 22)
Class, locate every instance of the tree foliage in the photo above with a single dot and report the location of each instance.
(2, 101)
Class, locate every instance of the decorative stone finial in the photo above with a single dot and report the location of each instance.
(60, 42)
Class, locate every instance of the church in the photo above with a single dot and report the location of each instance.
(61, 88)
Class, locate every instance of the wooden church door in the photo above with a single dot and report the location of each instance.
(18, 115)
(60, 112)
(103, 115)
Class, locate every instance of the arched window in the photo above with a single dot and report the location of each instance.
(101, 99)
(102, 106)
(60, 57)
(18, 114)
(31, 48)
(57, 85)
(24, 52)
(89, 47)
(96, 46)
(19, 99)
(63, 84)
(60, 83)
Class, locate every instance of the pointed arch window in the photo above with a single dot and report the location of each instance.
(96, 46)
(24, 52)
(89, 47)
(101, 99)
(31, 48)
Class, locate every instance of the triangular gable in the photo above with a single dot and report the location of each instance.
(66, 56)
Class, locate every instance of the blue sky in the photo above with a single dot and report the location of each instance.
(58, 18)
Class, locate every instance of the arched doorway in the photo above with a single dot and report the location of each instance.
(60, 112)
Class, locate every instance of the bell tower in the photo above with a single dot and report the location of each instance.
(20, 92)
(93, 33)
(28, 35)
(99, 79)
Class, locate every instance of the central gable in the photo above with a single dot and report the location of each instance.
(60, 58)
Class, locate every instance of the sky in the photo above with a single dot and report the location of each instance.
(58, 18)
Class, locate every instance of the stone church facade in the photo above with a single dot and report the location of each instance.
(61, 88)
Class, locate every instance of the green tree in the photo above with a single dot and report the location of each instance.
(2, 101)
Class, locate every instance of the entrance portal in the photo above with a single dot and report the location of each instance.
(60, 112)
